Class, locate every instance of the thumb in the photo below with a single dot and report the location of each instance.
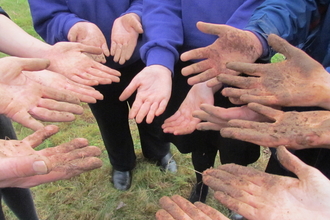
(291, 162)
(214, 29)
(32, 64)
(24, 166)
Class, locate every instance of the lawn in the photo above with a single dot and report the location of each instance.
(91, 195)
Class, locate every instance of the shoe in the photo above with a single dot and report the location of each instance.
(236, 216)
(167, 163)
(198, 193)
(121, 179)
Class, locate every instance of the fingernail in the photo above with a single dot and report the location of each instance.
(40, 167)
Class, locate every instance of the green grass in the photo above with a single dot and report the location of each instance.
(91, 195)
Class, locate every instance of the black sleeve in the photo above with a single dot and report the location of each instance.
(3, 12)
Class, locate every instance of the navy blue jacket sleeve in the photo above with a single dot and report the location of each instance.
(288, 19)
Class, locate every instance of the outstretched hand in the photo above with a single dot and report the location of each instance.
(183, 122)
(295, 130)
(22, 166)
(25, 100)
(176, 207)
(71, 60)
(232, 45)
(124, 36)
(297, 81)
(259, 195)
(153, 86)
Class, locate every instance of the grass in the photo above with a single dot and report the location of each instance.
(90, 195)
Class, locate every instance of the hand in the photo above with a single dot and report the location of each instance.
(232, 45)
(258, 195)
(57, 81)
(88, 33)
(153, 85)
(177, 207)
(124, 35)
(216, 118)
(183, 122)
(296, 130)
(70, 60)
(297, 81)
(24, 100)
(22, 166)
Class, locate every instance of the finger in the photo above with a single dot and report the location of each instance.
(204, 126)
(33, 64)
(204, 76)
(211, 212)
(189, 208)
(129, 51)
(171, 207)
(239, 81)
(67, 171)
(104, 70)
(152, 112)
(196, 54)
(74, 144)
(122, 57)
(282, 46)
(137, 26)
(40, 135)
(23, 166)
(292, 163)
(44, 114)
(163, 215)
(233, 92)
(88, 49)
(270, 112)
(130, 89)
(24, 118)
(59, 106)
(101, 77)
(214, 82)
(118, 53)
(105, 49)
(87, 82)
(214, 29)
(195, 68)
(142, 111)
(235, 205)
(251, 69)
(264, 100)
(62, 96)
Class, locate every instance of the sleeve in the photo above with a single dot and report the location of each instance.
(52, 19)
(163, 32)
(2, 12)
(288, 19)
(135, 7)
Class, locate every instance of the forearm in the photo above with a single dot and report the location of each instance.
(16, 42)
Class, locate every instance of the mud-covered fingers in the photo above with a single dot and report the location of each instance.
(239, 81)
(59, 95)
(101, 76)
(234, 204)
(40, 135)
(172, 208)
(72, 145)
(192, 211)
(163, 215)
(252, 69)
(211, 212)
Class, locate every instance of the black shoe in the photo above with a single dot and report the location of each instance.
(198, 193)
(121, 179)
(167, 163)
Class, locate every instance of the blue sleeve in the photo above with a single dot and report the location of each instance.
(163, 32)
(52, 19)
(135, 7)
(288, 19)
